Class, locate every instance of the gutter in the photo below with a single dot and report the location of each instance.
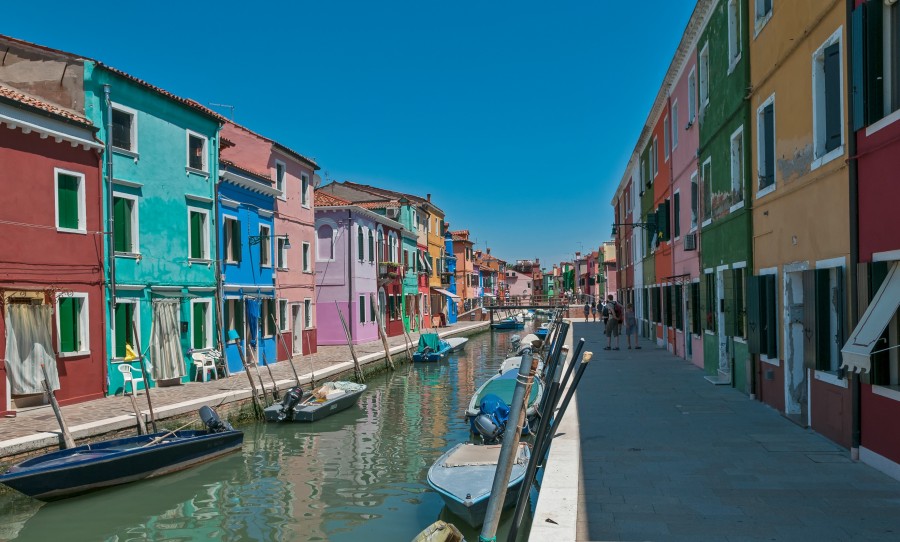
(110, 223)
(853, 199)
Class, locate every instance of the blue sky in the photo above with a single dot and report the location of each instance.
(518, 117)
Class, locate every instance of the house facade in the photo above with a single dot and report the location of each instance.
(466, 280)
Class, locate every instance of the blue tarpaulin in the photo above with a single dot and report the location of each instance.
(252, 320)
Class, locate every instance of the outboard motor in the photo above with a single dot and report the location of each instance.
(212, 421)
(290, 400)
(491, 420)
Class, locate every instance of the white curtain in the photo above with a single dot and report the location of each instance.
(28, 344)
(165, 342)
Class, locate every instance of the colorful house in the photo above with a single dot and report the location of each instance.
(448, 277)
(466, 278)
(51, 293)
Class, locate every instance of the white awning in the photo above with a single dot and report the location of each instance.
(449, 294)
(858, 350)
(488, 294)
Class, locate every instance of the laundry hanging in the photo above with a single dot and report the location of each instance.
(29, 343)
(165, 342)
(252, 320)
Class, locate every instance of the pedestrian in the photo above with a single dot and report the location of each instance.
(594, 310)
(612, 325)
(631, 327)
(587, 311)
(604, 312)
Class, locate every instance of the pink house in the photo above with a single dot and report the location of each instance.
(295, 269)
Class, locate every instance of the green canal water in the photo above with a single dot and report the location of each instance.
(356, 476)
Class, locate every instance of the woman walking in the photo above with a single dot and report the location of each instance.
(594, 310)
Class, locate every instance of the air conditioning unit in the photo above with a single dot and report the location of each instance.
(393, 212)
(690, 241)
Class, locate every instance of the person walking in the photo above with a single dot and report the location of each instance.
(587, 311)
(604, 312)
(594, 310)
(612, 325)
(631, 327)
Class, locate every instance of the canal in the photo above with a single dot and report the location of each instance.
(358, 475)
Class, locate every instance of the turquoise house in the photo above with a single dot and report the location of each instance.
(161, 280)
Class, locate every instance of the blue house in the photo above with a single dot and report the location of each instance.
(246, 202)
(450, 268)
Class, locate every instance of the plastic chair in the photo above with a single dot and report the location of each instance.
(203, 364)
(128, 376)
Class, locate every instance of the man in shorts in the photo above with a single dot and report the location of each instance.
(612, 325)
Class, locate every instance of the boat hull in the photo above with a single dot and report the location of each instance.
(119, 461)
(431, 356)
(315, 411)
(508, 325)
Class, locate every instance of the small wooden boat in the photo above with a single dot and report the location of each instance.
(457, 343)
(431, 348)
(311, 406)
(78, 470)
(503, 385)
(440, 531)
(508, 323)
(464, 475)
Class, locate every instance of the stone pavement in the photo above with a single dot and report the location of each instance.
(665, 455)
(37, 428)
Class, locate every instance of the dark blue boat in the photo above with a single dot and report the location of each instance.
(74, 471)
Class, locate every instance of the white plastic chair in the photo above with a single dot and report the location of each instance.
(203, 365)
(128, 376)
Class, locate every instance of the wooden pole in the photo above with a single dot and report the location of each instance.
(290, 353)
(382, 332)
(68, 441)
(142, 426)
(359, 374)
(274, 385)
(262, 385)
(257, 407)
(140, 360)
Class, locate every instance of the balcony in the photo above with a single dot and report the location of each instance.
(389, 270)
(446, 279)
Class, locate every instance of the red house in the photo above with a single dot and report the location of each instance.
(52, 243)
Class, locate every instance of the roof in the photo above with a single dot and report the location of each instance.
(266, 176)
(324, 199)
(462, 238)
(276, 144)
(30, 102)
(377, 204)
(392, 194)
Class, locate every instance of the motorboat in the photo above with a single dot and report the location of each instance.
(313, 405)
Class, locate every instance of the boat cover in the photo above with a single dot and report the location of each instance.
(503, 386)
(430, 340)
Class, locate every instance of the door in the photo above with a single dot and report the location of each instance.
(796, 392)
(297, 335)
(722, 276)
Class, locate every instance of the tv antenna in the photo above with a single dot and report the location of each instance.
(230, 108)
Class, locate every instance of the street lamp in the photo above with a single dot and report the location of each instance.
(649, 226)
(257, 239)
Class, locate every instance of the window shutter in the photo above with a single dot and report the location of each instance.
(236, 248)
(199, 325)
(771, 320)
(121, 329)
(362, 307)
(841, 312)
(753, 314)
(676, 213)
(360, 247)
(769, 144)
(857, 78)
(662, 221)
(874, 64)
(729, 309)
(679, 307)
(810, 320)
(704, 304)
(196, 236)
(695, 308)
(824, 338)
(67, 201)
(67, 329)
(832, 97)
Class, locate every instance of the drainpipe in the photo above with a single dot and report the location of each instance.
(220, 263)
(853, 199)
(350, 272)
(110, 223)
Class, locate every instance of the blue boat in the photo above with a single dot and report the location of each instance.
(508, 323)
(431, 348)
(542, 331)
(78, 470)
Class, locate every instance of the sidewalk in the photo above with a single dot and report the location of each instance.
(37, 428)
(665, 455)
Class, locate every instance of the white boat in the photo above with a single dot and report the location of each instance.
(513, 363)
(503, 386)
(464, 476)
(457, 343)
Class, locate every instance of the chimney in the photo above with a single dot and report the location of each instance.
(428, 197)
(488, 250)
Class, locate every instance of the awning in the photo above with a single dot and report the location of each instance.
(486, 294)
(449, 294)
(864, 339)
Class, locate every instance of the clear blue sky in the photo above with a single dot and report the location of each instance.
(518, 117)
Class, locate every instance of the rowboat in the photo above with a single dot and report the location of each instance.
(440, 531)
(311, 406)
(457, 343)
(508, 323)
(431, 348)
(70, 472)
(464, 475)
(503, 385)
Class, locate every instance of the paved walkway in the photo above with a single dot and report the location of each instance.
(37, 428)
(665, 455)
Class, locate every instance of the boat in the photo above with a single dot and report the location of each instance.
(457, 343)
(431, 348)
(513, 363)
(508, 323)
(503, 385)
(464, 475)
(440, 531)
(542, 331)
(78, 470)
(311, 406)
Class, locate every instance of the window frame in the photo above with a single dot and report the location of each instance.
(207, 324)
(132, 152)
(654, 157)
(760, 19)
(706, 209)
(703, 70)
(204, 235)
(308, 322)
(135, 222)
(306, 256)
(361, 308)
(228, 232)
(737, 135)
(82, 210)
(319, 257)
(819, 102)
(360, 242)
(280, 182)
(83, 324)
(136, 325)
(204, 155)
(283, 312)
(667, 137)
(760, 157)
(268, 245)
(695, 211)
(304, 190)
(692, 97)
(674, 129)
(733, 9)
(281, 253)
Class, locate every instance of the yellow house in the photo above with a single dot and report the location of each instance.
(798, 291)
(436, 251)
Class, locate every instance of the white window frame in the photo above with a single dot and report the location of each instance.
(82, 211)
(761, 19)
(135, 232)
(208, 324)
(667, 138)
(760, 157)
(281, 253)
(268, 238)
(308, 322)
(306, 257)
(137, 321)
(187, 139)
(204, 234)
(674, 129)
(280, 183)
(703, 75)
(227, 229)
(83, 325)
(284, 315)
(702, 201)
(695, 217)
(654, 157)
(361, 307)
(304, 190)
(333, 227)
(692, 98)
(134, 131)
(818, 101)
(737, 134)
(733, 9)
(263, 324)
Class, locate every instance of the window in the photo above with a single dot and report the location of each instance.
(371, 246)
(762, 315)
(281, 252)
(737, 167)
(704, 76)
(654, 157)
(125, 224)
(645, 173)
(371, 309)
(265, 243)
(360, 247)
(124, 327)
(828, 105)
(706, 178)
(307, 314)
(124, 128)
(196, 152)
(362, 309)
(304, 189)
(677, 215)
(710, 304)
(284, 323)
(198, 241)
(734, 33)
(234, 316)
(325, 243)
(739, 295)
(72, 324)
(201, 324)
(695, 201)
(307, 265)
(232, 227)
(692, 98)
(667, 140)
(267, 317)
(695, 308)
(70, 211)
(877, 64)
(763, 13)
(279, 177)
(390, 307)
(675, 125)
(765, 162)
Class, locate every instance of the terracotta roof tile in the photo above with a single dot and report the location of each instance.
(324, 199)
(34, 103)
(186, 101)
(284, 148)
(376, 204)
(267, 176)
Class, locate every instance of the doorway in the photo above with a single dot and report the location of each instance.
(297, 334)
(724, 362)
(796, 383)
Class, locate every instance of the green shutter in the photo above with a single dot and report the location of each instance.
(199, 325)
(196, 235)
(676, 214)
(662, 225)
(771, 320)
(68, 325)
(360, 247)
(857, 77)
(753, 314)
(729, 308)
(124, 327)
(824, 337)
(811, 321)
(874, 65)
(271, 316)
(122, 209)
(679, 307)
(67, 201)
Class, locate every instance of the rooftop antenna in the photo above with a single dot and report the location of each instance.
(230, 108)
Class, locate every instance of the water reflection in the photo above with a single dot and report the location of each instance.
(359, 473)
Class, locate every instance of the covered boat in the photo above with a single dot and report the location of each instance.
(78, 470)
(457, 343)
(503, 385)
(508, 323)
(310, 406)
(431, 348)
(464, 475)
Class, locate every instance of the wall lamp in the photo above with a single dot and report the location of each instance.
(257, 239)
(649, 226)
